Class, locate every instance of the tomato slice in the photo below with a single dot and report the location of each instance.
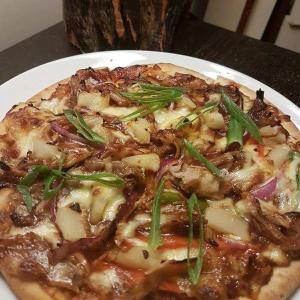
(170, 286)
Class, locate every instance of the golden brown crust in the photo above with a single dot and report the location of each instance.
(287, 124)
(283, 283)
(30, 290)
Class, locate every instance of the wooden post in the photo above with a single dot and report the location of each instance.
(94, 25)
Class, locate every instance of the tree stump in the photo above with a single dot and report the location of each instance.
(94, 25)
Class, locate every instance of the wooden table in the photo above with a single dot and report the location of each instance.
(274, 66)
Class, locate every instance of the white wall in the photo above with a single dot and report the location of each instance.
(259, 17)
(224, 13)
(289, 34)
(20, 19)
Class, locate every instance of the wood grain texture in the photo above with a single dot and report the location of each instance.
(115, 24)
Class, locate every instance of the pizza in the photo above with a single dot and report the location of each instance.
(149, 182)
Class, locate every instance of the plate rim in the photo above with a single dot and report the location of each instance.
(294, 110)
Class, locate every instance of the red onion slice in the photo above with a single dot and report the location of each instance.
(53, 208)
(165, 164)
(266, 190)
(62, 131)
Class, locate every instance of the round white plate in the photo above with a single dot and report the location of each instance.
(25, 85)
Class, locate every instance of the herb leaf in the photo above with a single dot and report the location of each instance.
(28, 180)
(292, 155)
(76, 119)
(194, 272)
(24, 191)
(185, 121)
(49, 192)
(235, 132)
(50, 175)
(104, 178)
(298, 178)
(193, 152)
(153, 97)
(170, 197)
(142, 112)
(241, 117)
(155, 235)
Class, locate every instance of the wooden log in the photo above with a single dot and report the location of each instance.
(94, 25)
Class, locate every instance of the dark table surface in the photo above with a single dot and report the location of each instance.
(277, 67)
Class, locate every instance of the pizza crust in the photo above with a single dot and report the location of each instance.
(30, 290)
(288, 125)
(283, 282)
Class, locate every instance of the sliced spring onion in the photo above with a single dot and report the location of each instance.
(185, 121)
(292, 155)
(142, 112)
(152, 97)
(241, 117)
(155, 236)
(235, 132)
(104, 178)
(154, 94)
(49, 192)
(193, 152)
(27, 181)
(195, 271)
(76, 119)
(50, 178)
(52, 175)
(24, 191)
(170, 197)
(298, 178)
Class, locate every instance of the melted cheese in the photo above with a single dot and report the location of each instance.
(82, 196)
(165, 118)
(71, 224)
(289, 196)
(55, 105)
(104, 281)
(45, 229)
(139, 130)
(93, 101)
(4, 197)
(150, 161)
(118, 111)
(38, 146)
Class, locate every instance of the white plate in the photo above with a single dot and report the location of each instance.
(25, 85)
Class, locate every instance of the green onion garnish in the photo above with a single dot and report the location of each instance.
(155, 236)
(103, 178)
(170, 197)
(153, 97)
(292, 155)
(235, 132)
(210, 166)
(27, 181)
(246, 122)
(76, 119)
(49, 192)
(194, 272)
(298, 178)
(142, 112)
(51, 175)
(185, 121)
(24, 191)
